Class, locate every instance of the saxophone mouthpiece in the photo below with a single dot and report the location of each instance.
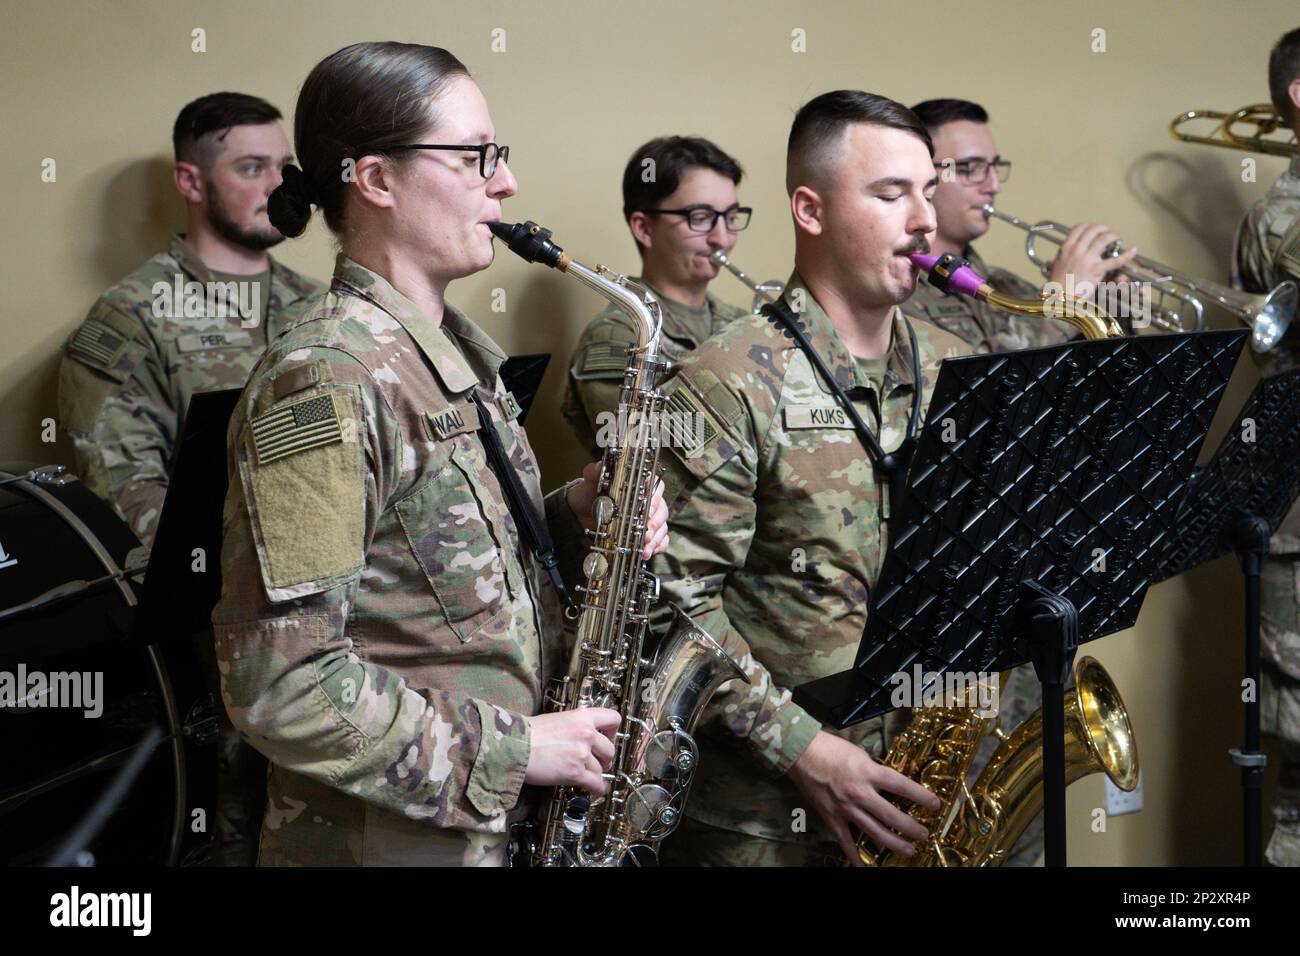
(950, 273)
(530, 242)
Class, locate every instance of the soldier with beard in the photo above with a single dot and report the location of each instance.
(194, 318)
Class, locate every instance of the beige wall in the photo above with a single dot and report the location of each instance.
(96, 86)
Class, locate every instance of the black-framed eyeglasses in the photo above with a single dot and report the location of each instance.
(704, 218)
(975, 171)
(489, 154)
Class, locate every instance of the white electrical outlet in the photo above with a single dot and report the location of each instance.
(1118, 802)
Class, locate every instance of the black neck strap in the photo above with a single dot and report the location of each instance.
(531, 526)
(892, 465)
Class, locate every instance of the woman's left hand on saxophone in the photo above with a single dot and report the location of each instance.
(583, 496)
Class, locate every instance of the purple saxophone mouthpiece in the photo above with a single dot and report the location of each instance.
(950, 273)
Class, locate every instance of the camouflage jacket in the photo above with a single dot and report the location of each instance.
(381, 633)
(596, 370)
(129, 369)
(1268, 252)
(775, 539)
(983, 327)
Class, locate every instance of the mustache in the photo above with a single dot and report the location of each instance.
(918, 244)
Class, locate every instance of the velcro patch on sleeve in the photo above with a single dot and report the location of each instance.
(816, 416)
(449, 422)
(98, 345)
(308, 508)
(294, 428)
(603, 360)
(200, 341)
(301, 377)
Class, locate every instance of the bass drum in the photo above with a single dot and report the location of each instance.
(76, 694)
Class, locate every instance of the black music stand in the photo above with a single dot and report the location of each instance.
(1029, 517)
(1234, 502)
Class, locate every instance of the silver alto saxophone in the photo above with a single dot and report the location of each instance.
(660, 698)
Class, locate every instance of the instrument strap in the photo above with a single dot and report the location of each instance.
(892, 465)
(531, 526)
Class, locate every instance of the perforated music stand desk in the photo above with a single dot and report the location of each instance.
(1031, 519)
(1235, 502)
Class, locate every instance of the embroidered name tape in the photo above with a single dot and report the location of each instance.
(286, 431)
(816, 416)
(198, 341)
(452, 421)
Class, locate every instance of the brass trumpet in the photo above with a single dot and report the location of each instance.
(764, 292)
(1261, 116)
(1266, 315)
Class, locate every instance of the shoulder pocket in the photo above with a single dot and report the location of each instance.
(302, 466)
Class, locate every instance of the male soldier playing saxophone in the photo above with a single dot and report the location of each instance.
(779, 528)
(972, 175)
(679, 201)
(1267, 252)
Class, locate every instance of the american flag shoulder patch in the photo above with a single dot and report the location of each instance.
(604, 357)
(97, 344)
(692, 428)
(285, 431)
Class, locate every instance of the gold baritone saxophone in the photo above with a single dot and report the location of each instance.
(659, 698)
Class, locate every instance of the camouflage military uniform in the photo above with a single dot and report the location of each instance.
(983, 327)
(128, 373)
(596, 372)
(381, 634)
(1267, 252)
(775, 539)
(125, 381)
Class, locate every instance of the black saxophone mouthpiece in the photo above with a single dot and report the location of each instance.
(530, 242)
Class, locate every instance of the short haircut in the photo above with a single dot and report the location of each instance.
(934, 113)
(1283, 69)
(202, 125)
(821, 123)
(671, 157)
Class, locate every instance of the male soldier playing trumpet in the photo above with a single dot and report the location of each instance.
(779, 528)
(680, 204)
(1268, 252)
(971, 174)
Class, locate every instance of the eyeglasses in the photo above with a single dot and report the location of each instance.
(975, 171)
(704, 218)
(489, 154)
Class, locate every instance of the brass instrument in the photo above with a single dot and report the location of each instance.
(953, 274)
(978, 825)
(1266, 315)
(764, 292)
(660, 699)
(1261, 116)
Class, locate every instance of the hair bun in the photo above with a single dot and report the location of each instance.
(289, 207)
